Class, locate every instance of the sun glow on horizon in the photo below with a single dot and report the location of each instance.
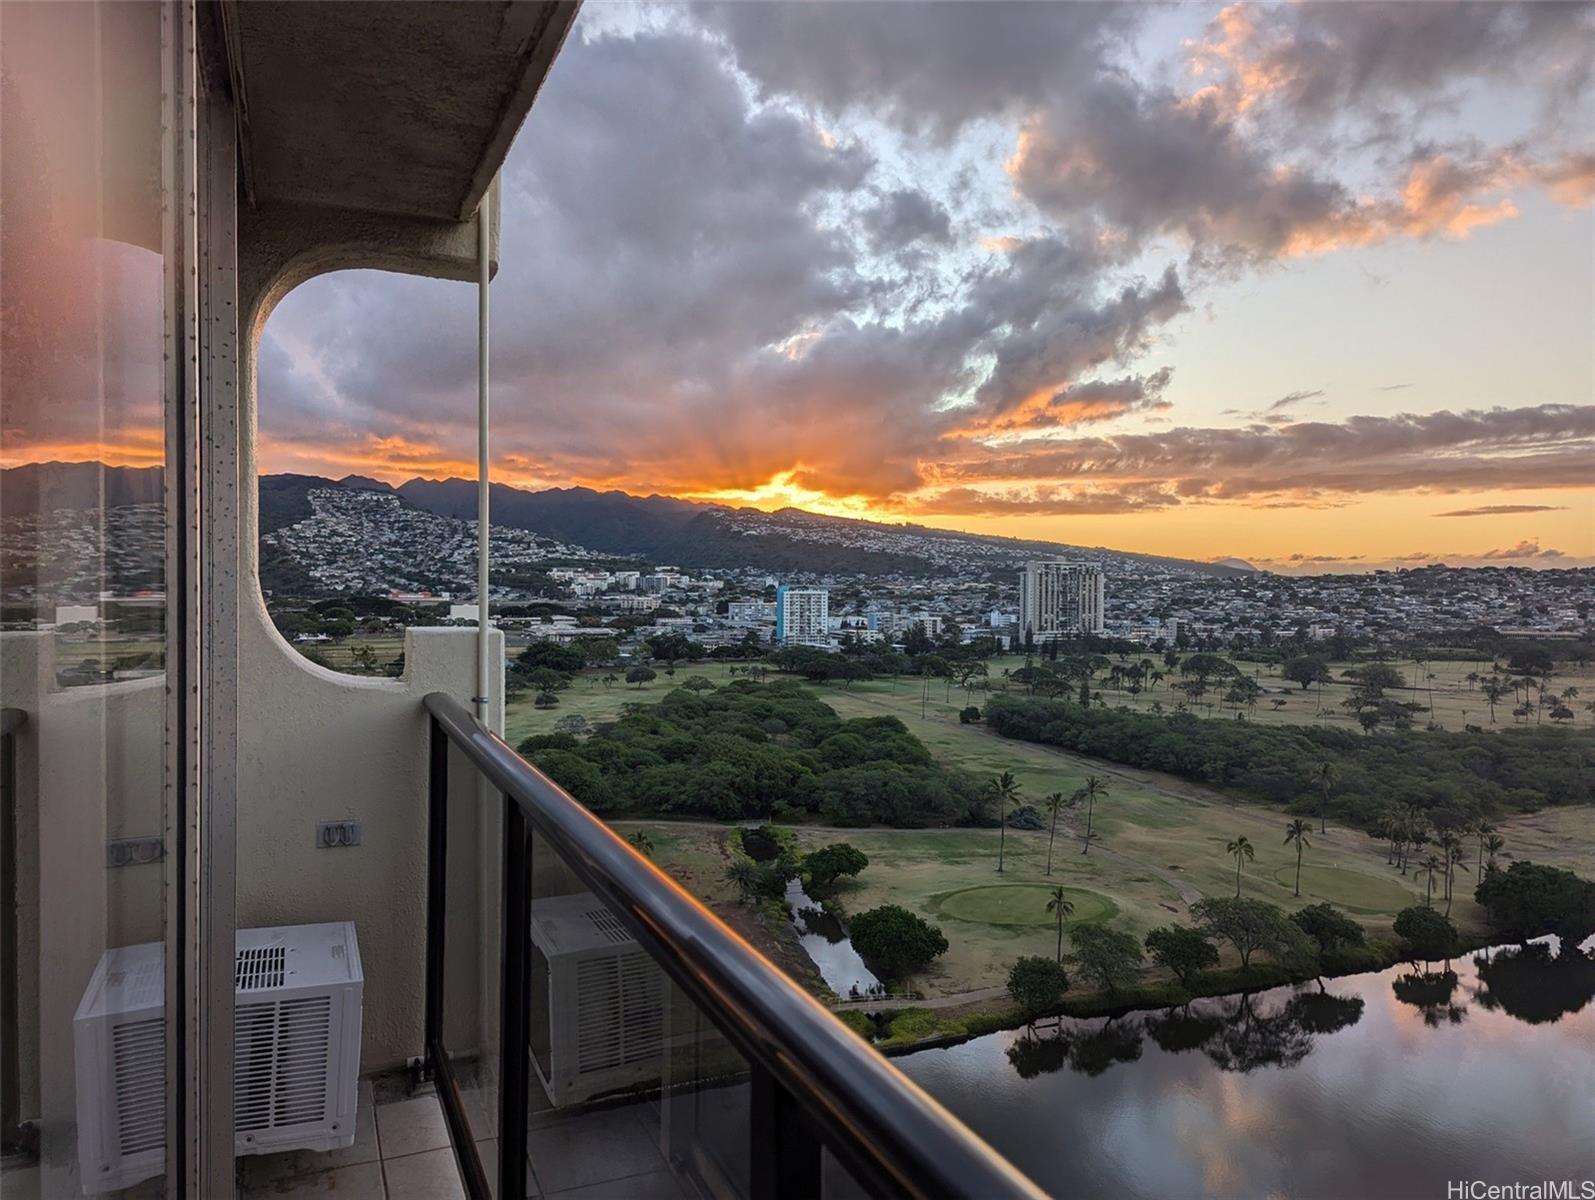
(782, 490)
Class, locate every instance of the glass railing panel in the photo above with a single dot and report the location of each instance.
(629, 1085)
(648, 1049)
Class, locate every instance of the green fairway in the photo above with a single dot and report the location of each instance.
(1022, 904)
(595, 701)
(1443, 689)
(1160, 840)
(1356, 890)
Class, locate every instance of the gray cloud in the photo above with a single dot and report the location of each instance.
(1292, 399)
(1551, 445)
(1321, 61)
(1502, 510)
(675, 310)
(693, 294)
(903, 217)
(930, 69)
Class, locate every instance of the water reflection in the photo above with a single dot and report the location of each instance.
(1238, 1033)
(1385, 1084)
(827, 943)
(1432, 993)
(1535, 985)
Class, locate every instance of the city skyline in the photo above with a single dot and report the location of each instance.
(1275, 283)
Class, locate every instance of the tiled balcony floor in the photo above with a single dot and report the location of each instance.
(401, 1152)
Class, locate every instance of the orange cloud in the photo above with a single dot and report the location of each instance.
(132, 448)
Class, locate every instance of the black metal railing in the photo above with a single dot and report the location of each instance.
(13, 1138)
(813, 1086)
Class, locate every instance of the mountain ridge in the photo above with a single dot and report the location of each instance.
(654, 528)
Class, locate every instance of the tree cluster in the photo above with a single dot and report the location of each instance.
(1453, 778)
(748, 750)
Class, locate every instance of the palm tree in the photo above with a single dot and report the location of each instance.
(1429, 866)
(1005, 792)
(1060, 907)
(1494, 692)
(1297, 832)
(1482, 829)
(1326, 777)
(1455, 856)
(641, 843)
(1055, 804)
(1492, 846)
(1242, 850)
(744, 876)
(1094, 788)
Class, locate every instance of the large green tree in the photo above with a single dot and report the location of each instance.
(1109, 957)
(1037, 983)
(1528, 900)
(1182, 951)
(829, 863)
(896, 942)
(1425, 934)
(1327, 926)
(1252, 926)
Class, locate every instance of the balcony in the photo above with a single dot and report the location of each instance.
(583, 1027)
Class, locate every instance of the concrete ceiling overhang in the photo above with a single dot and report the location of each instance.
(397, 107)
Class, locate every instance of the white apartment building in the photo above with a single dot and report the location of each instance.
(750, 612)
(894, 623)
(802, 615)
(1058, 597)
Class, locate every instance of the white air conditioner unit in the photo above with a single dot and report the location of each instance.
(598, 1015)
(296, 1051)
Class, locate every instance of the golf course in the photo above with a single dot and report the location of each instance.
(1158, 845)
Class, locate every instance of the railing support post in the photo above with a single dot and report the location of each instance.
(515, 984)
(437, 843)
(783, 1153)
(12, 1136)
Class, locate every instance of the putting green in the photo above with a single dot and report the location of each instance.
(1349, 889)
(1021, 904)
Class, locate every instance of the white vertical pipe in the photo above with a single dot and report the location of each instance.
(483, 522)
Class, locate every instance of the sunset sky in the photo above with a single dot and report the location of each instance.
(1311, 285)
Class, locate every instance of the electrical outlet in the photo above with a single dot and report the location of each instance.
(134, 852)
(331, 835)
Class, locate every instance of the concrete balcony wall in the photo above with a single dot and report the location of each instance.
(315, 745)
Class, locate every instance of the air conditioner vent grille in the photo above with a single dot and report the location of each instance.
(280, 1062)
(138, 1054)
(259, 967)
(620, 1012)
(606, 923)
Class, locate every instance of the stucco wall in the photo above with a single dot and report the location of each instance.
(315, 745)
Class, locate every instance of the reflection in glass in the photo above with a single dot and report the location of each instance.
(82, 604)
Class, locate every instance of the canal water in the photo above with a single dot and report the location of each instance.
(827, 944)
(1377, 1085)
